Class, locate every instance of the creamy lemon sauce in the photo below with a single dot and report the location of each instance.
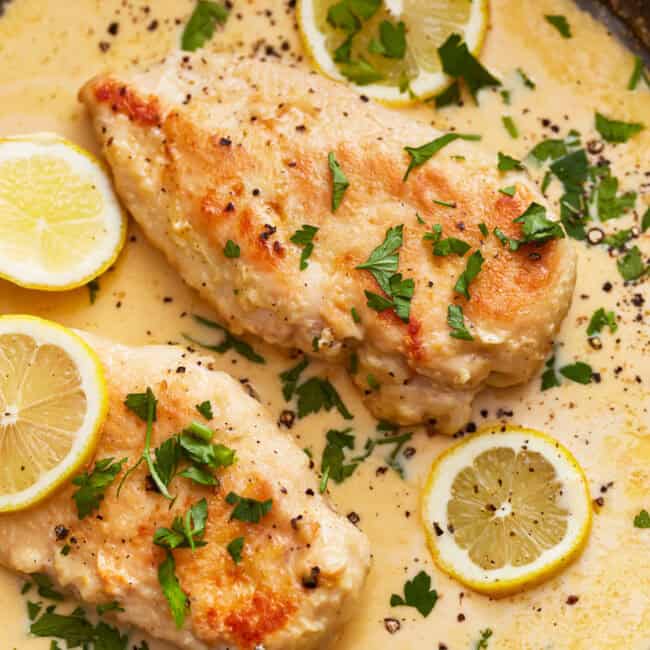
(48, 50)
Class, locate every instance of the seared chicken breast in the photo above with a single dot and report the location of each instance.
(302, 566)
(207, 149)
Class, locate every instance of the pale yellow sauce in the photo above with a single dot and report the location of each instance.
(48, 49)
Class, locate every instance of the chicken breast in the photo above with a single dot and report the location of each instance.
(302, 566)
(210, 149)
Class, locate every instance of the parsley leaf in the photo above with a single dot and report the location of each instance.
(144, 406)
(536, 227)
(482, 643)
(33, 609)
(304, 237)
(456, 321)
(46, 587)
(290, 378)
(108, 637)
(420, 155)
(450, 245)
(451, 95)
(171, 588)
(93, 289)
(333, 462)
(205, 453)
(186, 531)
(631, 265)
(579, 372)
(392, 40)
(365, 9)
(231, 249)
(572, 170)
(248, 510)
(616, 131)
(527, 81)
(113, 606)
(638, 74)
(205, 409)
(202, 23)
(73, 629)
(549, 149)
(93, 486)
(474, 264)
(645, 221)
(168, 456)
(417, 594)
(510, 126)
(642, 520)
(229, 342)
(549, 378)
(340, 182)
(361, 72)
(513, 244)
(560, 23)
(458, 62)
(340, 16)
(600, 319)
(618, 239)
(377, 302)
(508, 163)
(316, 394)
(510, 190)
(235, 548)
(611, 206)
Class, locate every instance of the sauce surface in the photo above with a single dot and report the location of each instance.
(48, 51)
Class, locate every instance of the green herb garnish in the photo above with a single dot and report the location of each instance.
(235, 548)
(248, 510)
(474, 264)
(205, 409)
(93, 486)
(392, 40)
(508, 163)
(631, 265)
(231, 249)
(456, 321)
(420, 155)
(187, 531)
(202, 23)
(549, 378)
(305, 238)
(417, 594)
(171, 588)
(560, 23)
(642, 520)
(616, 131)
(579, 372)
(600, 319)
(340, 182)
(510, 126)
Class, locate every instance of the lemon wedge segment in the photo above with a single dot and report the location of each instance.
(61, 224)
(332, 38)
(53, 402)
(506, 509)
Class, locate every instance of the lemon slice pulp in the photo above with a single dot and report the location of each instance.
(52, 405)
(61, 224)
(506, 509)
(418, 73)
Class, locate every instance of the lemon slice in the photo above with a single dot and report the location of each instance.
(60, 222)
(506, 509)
(53, 402)
(427, 26)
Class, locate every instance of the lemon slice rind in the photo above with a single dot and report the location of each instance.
(455, 561)
(92, 384)
(424, 86)
(23, 270)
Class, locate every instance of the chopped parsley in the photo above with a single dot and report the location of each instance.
(333, 465)
(340, 182)
(600, 319)
(229, 342)
(392, 40)
(456, 321)
(449, 96)
(445, 204)
(618, 239)
(572, 169)
(33, 609)
(235, 548)
(482, 643)
(483, 228)
(316, 394)
(205, 409)
(417, 594)
(638, 74)
(361, 72)
(472, 269)
(74, 629)
(305, 238)
(45, 586)
(560, 23)
(526, 80)
(290, 378)
(420, 155)
(340, 16)
(202, 23)
(579, 372)
(536, 226)
(93, 486)
(248, 510)
(231, 249)
(510, 190)
(510, 126)
(449, 246)
(642, 520)
(93, 290)
(631, 265)
(508, 163)
(611, 205)
(382, 264)
(458, 62)
(549, 378)
(355, 315)
(171, 588)
(113, 606)
(187, 531)
(645, 221)
(616, 131)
